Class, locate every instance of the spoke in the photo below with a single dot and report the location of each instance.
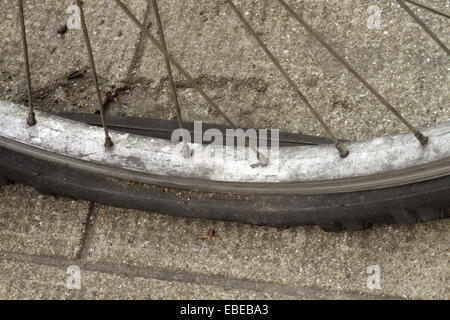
(441, 13)
(168, 66)
(422, 139)
(261, 157)
(424, 26)
(31, 120)
(341, 147)
(108, 141)
(174, 62)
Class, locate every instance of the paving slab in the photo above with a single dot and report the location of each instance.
(33, 281)
(40, 225)
(412, 260)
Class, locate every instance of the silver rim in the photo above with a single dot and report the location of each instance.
(377, 163)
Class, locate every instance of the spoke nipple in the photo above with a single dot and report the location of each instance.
(422, 139)
(31, 120)
(108, 142)
(343, 151)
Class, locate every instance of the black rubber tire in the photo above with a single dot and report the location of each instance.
(407, 204)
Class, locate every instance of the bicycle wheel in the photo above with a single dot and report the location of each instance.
(400, 178)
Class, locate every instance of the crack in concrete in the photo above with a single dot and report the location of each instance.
(88, 232)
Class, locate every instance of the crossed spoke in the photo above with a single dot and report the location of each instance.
(341, 148)
(261, 157)
(174, 62)
(423, 25)
(436, 11)
(422, 139)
